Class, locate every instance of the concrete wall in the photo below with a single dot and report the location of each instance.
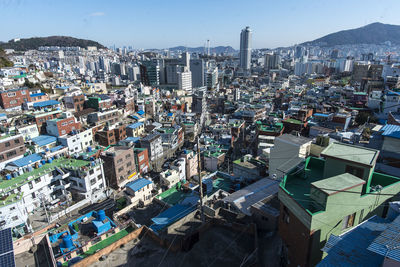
(107, 250)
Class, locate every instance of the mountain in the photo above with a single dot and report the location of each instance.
(217, 49)
(375, 33)
(4, 62)
(36, 42)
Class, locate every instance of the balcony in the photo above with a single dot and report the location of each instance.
(297, 183)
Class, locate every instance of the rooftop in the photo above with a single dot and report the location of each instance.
(338, 183)
(357, 154)
(138, 184)
(37, 172)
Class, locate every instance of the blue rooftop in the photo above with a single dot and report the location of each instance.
(140, 112)
(170, 114)
(391, 130)
(135, 125)
(43, 140)
(3, 115)
(170, 216)
(22, 162)
(138, 184)
(321, 115)
(132, 139)
(56, 148)
(38, 94)
(387, 244)
(46, 103)
(62, 87)
(354, 247)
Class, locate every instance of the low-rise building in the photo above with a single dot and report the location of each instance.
(12, 147)
(329, 195)
(139, 191)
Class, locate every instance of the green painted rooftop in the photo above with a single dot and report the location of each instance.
(352, 153)
(338, 183)
(46, 168)
(293, 121)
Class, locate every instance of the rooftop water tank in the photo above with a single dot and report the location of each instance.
(101, 215)
(50, 160)
(43, 161)
(89, 149)
(67, 241)
(8, 176)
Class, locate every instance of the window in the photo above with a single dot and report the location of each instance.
(121, 169)
(359, 172)
(12, 208)
(7, 144)
(361, 216)
(14, 218)
(30, 185)
(128, 164)
(128, 156)
(99, 177)
(23, 92)
(91, 171)
(348, 221)
(16, 141)
(37, 180)
(92, 182)
(11, 153)
(11, 94)
(119, 161)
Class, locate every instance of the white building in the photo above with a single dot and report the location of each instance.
(139, 191)
(288, 151)
(73, 142)
(185, 80)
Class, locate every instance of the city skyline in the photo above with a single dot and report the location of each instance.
(151, 25)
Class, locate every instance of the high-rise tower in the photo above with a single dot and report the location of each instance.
(245, 48)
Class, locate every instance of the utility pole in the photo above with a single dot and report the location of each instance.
(200, 180)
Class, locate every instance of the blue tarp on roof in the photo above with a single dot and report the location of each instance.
(43, 140)
(22, 162)
(170, 114)
(391, 130)
(135, 125)
(38, 94)
(56, 148)
(46, 103)
(170, 216)
(321, 115)
(138, 184)
(351, 248)
(132, 139)
(140, 112)
(3, 115)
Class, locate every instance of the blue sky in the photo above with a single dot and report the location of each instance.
(168, 23)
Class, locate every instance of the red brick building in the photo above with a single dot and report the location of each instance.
(11, 147)
(14, 98)
(141, 160)
(62, 126)
(107, 137)
(41, 118)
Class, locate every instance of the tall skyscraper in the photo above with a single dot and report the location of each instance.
(245, 48)
(197, 69)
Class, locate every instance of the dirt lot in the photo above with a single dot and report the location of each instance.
(217, 247)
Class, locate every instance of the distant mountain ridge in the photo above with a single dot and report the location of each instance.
(36, 42)
(375, 33)
(200, 49)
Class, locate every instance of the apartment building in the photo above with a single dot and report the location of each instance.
(121, 168)
(12, 147)
(13, 99)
